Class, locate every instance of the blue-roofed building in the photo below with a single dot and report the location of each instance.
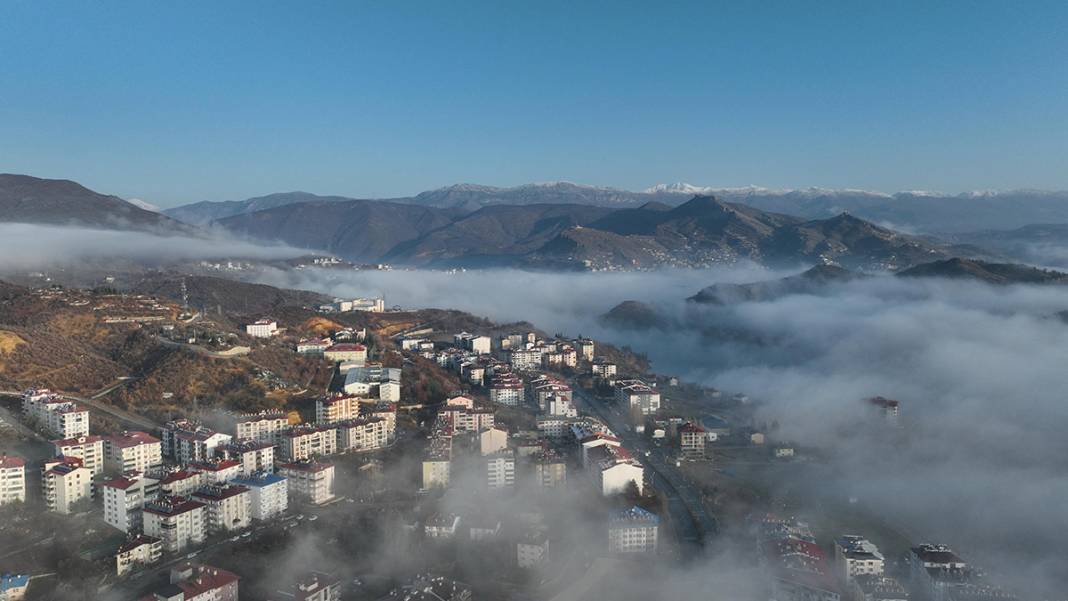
(13, 586)
(269, 494)
(633, 530)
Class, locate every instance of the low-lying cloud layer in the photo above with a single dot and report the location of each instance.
(979, 370)
(30, 246)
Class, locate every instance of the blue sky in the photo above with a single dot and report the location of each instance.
(184, 101)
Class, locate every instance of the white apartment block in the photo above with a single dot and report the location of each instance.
(473, 343)
(180, 483)
(265, 426)
(65, 482)
(309, 480)
(637, 396)
(124, 500)
(507, 389)
(305, 442)
(90, 449)
(633, 530)
(12, 479)
(331, 410)
(132, 452)
(253, 456)
(346, 352)
(365, 434)
(197, 445)
(469, 420)
(525, 359)
(228, 506)
(855, 555)
(262, 328)
(137, 552)
(178, 521)
(268, 494)
(217, 471)
(603, 370)
(585, 348)
(561, 405)
(313, 346)
(62, 418)
(500, 471)
(385, 411)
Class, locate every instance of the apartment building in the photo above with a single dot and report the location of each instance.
(637, 396)
(265, 426)
(346, 352)
(335, 409)
(364, 434)
(507, 389)
(548, 470)
(179, 522)
(633, 530)
(500, 470)
(217, 471)
(132, 452)
(522, 359)
(262, 328)
(180, 483)
(12, 479)
(65, 484)
(191, 582)
(474, 343)
(125, 498)
(382, 410)
(855, 555)
(301, 443)
(253, 456)
(90, 449)
(228, 506)
(61, 417)
(585, 348)
(186, 441)
(309, 480)
(614, 469)
(268, 494)
(137, 552)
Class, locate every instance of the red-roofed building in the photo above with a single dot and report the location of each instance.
(179, 521)
(191, 582)
(346, 351)
(132, 452)
(90, 449)
(12, 479)
(124, 498)
(65, 483)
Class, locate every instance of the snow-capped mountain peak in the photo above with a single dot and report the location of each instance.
(142, 204)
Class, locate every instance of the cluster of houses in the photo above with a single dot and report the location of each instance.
(799, 570)
(169, 493)
(465, 434)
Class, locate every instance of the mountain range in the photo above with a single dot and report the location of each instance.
(597, 228)
(701, 231)
(914, 211)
